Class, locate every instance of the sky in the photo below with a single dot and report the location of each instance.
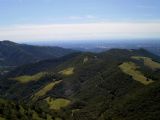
(33, 20)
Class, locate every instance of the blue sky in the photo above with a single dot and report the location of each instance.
(20, 16)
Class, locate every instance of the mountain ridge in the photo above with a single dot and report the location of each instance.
(90, 86)
(23, 53)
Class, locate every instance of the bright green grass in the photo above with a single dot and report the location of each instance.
(131, 69)
(44, 90)
(57, 104)
(68, 71)
(148, 62)
(28, 78)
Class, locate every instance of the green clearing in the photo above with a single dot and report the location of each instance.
(57, 104)
(67, 72)
(130, 68)
(28, 78)
(148, 62)
(45, 89)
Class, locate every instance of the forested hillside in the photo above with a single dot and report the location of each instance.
(117, 84)
(13, 54)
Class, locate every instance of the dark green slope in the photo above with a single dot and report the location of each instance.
(13, 54)
(45, 65)
(10, 110)
(143, 104)
(95, 85)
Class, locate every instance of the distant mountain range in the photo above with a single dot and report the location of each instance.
(117, 84)
(14, 54)
(152, 45)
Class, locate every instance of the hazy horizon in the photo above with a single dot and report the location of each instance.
(61, 20)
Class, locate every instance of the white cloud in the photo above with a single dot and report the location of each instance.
(104, 30)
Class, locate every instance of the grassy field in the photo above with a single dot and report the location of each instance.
(57, 104)
(68, 71)
(44, 90)
(27, 78)
(131, 69)
(148, 62)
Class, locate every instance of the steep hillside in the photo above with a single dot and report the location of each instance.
(46, 65)
(114, 85)
(13, 54)
(140, 105)
(10, 110)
